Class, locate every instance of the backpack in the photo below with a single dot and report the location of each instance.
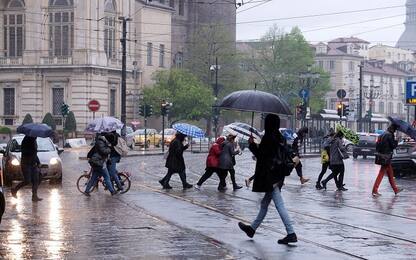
(283, 162)
(121, 147)
(91, 152)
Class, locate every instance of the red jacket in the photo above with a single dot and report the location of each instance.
(213, 159)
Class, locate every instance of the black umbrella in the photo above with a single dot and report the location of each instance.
(403, 127)
(255, 101)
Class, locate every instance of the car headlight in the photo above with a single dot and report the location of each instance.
(53, 161)
(15, 162)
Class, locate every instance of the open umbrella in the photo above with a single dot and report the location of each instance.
(104, 124)
(243, 131)
(255, 101)
(35, 130)
(403, 127)
(189, 130)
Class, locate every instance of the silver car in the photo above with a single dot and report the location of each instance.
(48, 153)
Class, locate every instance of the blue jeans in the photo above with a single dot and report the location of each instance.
(112, 170)
(280, 206)
(96, 173)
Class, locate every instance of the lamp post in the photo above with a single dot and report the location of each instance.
(371, 92)
(214, 69)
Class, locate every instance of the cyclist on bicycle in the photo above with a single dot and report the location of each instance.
(114, 158)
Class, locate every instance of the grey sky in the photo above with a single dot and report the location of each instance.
(393, 18)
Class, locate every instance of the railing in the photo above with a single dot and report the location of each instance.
(11, 61)
(66, 60)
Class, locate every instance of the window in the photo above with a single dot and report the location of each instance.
(110, 29)
(9, 101)
(112, 102)
(181, 7)
(172, 3)
(14, 29)
(162, 55)
(149, 53)
(57, 99)
(331, 64)
(162, 2)
(400, 108)
(391, 90)
(61, 27)
(381, 107)
(390, 108)
(179, 60)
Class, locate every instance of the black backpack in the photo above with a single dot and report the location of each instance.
(282, 162)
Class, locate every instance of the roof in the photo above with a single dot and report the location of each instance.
(348, 40)
(379, 67)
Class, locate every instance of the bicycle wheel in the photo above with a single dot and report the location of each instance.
(82, 183)
(125, 181)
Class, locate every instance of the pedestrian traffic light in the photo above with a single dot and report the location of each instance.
(345, 110)
(64, 109)
(340, 109)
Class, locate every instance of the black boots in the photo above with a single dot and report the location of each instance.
(291, 238)
(247, 229)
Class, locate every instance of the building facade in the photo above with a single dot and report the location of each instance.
(69, 51)
(407, 40)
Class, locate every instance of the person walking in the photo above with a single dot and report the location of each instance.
(212, 163)
(337, 155)
(97, 158)
(115, 158)
(269, 180)
(385, 146)
(297, 143)
(227, 160)
(29, 164)
(175, 162)
(324, 157)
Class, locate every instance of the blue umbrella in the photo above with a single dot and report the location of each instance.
(35, 130)
(403, 126)
(189, 130)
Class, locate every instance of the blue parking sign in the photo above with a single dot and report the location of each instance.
(411, 92)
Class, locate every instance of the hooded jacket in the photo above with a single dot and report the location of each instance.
(264, 178)
(213, 159)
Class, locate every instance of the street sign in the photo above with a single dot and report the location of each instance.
(94, 105)
(411, 92)
(341, 93)
(304, 93)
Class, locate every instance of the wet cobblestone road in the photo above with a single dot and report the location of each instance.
(150, 223)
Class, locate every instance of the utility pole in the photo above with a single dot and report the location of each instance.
(360, 101)
(215, 68)
(123, 41)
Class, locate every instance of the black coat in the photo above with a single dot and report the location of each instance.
(100, 152)
(29, 149)
(264, 178)
(175, 161)
(387, 143)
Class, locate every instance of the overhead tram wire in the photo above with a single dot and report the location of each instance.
(249, 8)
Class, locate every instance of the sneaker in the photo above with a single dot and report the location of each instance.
(236, 187)
(318, 186)
(376, 194)
(187, 186)
(291, 238)
(248, 182)
(399, 190)
(86, 194)
(247, 229)
(303, 180)
(197, 187)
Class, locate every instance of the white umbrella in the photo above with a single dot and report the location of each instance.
(104, 124)
(243, 131)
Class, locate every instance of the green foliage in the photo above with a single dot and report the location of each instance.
(5, 130)
(28, 119)
(48, 119)
(192, 100)
(70, 122)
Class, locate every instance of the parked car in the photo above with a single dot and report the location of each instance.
(48, 153)
(404, 159)
(169, 135)
(152, 137)
(366, 146)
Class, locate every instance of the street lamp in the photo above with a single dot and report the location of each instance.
(214, 69)
(371, 92)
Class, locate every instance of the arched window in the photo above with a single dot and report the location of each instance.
(110, 28)
(381, 107)
(14, 28)
(61, 27)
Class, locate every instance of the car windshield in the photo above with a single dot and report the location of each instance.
(44, 145)
(368, 138)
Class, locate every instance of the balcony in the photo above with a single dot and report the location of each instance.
(9, 61)
(65, 60)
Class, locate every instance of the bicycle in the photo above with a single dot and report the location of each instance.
(84, 178)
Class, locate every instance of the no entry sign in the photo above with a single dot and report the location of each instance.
(94, 105)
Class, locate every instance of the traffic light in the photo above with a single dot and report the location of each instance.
(165, 107)
(340, 109)
(64, 109)
(149, 110)
(345, 110)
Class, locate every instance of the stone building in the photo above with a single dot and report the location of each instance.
(401, 58)
(68, 51)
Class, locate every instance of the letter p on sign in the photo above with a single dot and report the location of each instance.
(413, 89)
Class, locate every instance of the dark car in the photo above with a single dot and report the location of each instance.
(366, 146)
(404, 160)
